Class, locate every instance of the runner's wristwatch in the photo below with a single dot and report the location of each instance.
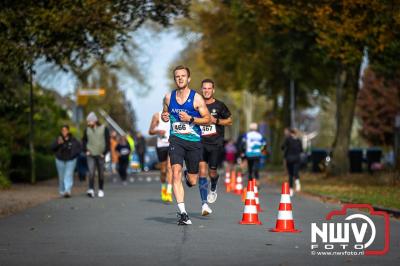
(191, 120)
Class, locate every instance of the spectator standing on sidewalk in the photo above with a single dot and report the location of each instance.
(123, 151)
(96, 144)
(67, 149)
(292, 149)
(140, 148)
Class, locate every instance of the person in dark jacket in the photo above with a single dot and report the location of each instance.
(140, 148)
(66, 149)
(123, 151)
(96, 144)
(292, 149)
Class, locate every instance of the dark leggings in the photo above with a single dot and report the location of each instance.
(141, 160)
(96, 162)
(293, 171)
(123, 167)
(253, 164)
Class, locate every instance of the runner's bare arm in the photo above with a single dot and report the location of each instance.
(225, 122)
(165, 114)
(201, 106)
(153, 125)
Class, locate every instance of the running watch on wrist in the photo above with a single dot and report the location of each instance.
(191, 119)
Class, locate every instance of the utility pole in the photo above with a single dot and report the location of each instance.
(248, 107)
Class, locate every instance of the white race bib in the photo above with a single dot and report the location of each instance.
(208, 130)
(181, 127)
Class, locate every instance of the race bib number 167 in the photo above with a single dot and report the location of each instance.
(208, 130)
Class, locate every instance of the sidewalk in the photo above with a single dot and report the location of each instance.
(23, 196)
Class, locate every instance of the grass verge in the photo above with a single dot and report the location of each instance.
(378, 189)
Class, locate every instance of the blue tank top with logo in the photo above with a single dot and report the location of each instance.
(180, 129)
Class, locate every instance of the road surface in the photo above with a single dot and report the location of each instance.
(131, 226)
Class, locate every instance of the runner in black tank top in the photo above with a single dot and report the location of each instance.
(213, 141)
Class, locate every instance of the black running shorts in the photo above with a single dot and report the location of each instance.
(182, 150)
(211, 155)
(162, 154)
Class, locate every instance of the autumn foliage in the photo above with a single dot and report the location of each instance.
(377, 105)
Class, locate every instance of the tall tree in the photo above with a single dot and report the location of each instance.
(345, 29)
(248, 45)
(63, 31)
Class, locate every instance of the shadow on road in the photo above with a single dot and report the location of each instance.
(158, 201)
(164, 220)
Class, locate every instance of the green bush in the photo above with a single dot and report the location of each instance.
(4, 182)
(20, 167)
(5, 154)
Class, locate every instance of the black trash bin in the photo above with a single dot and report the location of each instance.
(317, 158)
(374, 155)
(356, 159)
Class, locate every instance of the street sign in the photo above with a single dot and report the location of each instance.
(91, 92)
(83, 94)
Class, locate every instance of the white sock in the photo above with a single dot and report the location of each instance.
(181, 207)
(169, 188)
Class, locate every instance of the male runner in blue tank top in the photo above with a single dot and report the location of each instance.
(186, 111)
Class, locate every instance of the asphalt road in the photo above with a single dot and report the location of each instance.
(131, 226)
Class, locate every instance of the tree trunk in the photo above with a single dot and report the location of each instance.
(31, 129)
(346, 95)
(282, 120)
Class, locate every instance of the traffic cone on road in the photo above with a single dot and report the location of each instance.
(250, 214)
(233, 181)
(285, 222)
(256, 195)
(227, 180)
(239, 185)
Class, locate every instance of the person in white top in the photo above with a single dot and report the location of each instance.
(161, 129)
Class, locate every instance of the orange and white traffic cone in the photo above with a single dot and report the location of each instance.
(250, 214)
(239, 185)
(233, 181)
(285, 222)
(227, 180)
(256, 195)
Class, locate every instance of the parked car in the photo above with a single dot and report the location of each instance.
(150, 160)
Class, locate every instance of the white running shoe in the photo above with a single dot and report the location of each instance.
(291, 192)
(90, 193)
(212, 196)
(205, 210)
(298, 186)
(100, 194)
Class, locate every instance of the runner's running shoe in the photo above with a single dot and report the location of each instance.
(205, 210)
(183, 219)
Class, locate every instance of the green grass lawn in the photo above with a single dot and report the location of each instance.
(377, 189)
